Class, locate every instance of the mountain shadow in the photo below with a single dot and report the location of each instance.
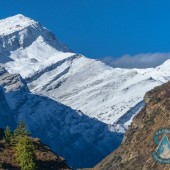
(82, 140)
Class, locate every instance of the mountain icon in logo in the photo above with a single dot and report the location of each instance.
(163, 149)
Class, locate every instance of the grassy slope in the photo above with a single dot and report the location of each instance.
(46, 159)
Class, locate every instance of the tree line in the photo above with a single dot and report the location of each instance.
(23, 145)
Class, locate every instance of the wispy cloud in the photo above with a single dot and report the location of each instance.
(145, 60)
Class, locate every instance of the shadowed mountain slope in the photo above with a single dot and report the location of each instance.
(68, 132)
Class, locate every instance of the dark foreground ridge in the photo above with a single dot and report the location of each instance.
(135, 153)
(45, 158)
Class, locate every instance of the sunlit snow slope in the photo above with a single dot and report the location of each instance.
(108, 94)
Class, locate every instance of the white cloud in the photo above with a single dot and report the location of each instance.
(144, 60)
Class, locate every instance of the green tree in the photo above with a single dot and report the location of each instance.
(25, 153)
(21, 130)
(8, 135)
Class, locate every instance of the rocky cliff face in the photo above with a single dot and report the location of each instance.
(135, 153)
(13, 93)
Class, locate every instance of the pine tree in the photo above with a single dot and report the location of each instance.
(25, 153)
(8, 135)
(21, 130)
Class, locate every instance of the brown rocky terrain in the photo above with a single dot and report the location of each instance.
(135, 152)
(45, 158)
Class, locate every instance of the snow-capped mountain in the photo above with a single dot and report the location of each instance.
(111, 95)
(68, 132)
(49, 67)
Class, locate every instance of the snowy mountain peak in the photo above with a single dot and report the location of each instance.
(19, 33)
(15, 23)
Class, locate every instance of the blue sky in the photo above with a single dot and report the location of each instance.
(101, 28)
